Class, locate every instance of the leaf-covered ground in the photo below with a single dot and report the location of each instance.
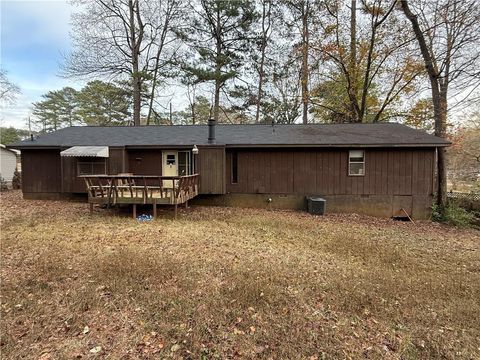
(233, 283)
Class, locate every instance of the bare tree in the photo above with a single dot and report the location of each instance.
(124, 39)
(8, 90)
(448, 35)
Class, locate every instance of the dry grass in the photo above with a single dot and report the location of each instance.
(232, 283)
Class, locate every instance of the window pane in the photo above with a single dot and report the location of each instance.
(170, 159)
(84, 169)
(183, 163)
(356, 168)
(356, 155)
(98, 168)
(91, 168)
(182, 170)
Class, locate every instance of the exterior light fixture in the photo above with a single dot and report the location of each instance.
(194, 152)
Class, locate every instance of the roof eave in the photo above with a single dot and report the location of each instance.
(425, 145)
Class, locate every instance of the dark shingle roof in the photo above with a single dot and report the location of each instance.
(383, 134)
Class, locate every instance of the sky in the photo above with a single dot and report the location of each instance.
(34, 37)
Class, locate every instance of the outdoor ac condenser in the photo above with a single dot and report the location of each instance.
(316, 205)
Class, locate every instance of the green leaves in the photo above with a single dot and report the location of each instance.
(220, 36)
(57, 109)
(98, 103)
(103, 104)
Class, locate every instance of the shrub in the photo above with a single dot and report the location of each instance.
(17, 180)
(3, 184)
(453, 214)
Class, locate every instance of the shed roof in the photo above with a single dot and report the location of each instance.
(13, 151)
(335, 135)
(86, 151)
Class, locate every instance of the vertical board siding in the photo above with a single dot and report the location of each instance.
(211, 167)
(41, 171)
(116, 160)
(144, 162)
(70, 181)
(325, 172)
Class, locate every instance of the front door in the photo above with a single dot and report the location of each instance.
(169, 166)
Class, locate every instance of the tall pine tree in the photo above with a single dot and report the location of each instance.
(220, 36)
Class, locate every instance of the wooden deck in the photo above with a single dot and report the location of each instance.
(141, 189)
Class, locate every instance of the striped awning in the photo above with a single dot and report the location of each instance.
(90, 151)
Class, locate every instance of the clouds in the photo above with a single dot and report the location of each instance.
(34, 35)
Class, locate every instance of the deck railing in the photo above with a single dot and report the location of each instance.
(140, 189)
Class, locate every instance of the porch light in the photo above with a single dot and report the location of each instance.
(194, 152)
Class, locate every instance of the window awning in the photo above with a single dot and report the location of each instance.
(89, 151)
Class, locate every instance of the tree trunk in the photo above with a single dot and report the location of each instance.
(352, 86)
(194, 115)
(262, 58)
(136, 80)
(216, 103)
(440, 115)
(218, 84)
(157, 63)
(305, 46)
(439, 99)
(152, 94)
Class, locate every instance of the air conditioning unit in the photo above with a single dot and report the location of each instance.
(316, 205)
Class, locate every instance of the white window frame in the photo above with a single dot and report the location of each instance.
(350, 162)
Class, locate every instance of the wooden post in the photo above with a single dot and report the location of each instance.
(154, 209)
(176, 210)
(134, 211)
(91, 208)
(186, 203)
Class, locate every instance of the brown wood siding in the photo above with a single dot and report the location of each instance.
(116, 161)
(71, 183)
(145, 162)
(41, 171)
(325, 172)
(211, 167)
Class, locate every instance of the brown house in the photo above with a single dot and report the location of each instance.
(375, 169)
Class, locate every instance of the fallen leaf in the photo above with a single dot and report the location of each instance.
(96, 349)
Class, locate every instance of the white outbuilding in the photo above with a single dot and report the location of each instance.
(8, 163)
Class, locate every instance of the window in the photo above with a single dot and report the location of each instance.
(234, 179)
(170, 159)
(92, 167)
(183, 163)
(356, 163)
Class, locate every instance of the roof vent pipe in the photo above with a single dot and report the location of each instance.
(211, 131)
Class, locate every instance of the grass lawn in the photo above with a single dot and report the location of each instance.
(233, 283)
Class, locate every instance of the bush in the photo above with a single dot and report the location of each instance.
(453, 214)
(3, 184)
(17, 180)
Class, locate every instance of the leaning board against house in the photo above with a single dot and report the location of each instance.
(374, 169)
